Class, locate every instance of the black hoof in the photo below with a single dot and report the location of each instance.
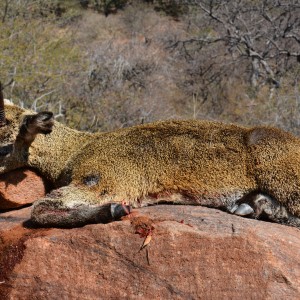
(119, 210)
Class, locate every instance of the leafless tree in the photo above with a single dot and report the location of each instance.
(259, 38)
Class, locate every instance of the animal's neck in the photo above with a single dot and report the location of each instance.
(49, 154)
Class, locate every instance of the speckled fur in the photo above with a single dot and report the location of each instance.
(188, 162)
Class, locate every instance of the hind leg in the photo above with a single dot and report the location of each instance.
(262, 206)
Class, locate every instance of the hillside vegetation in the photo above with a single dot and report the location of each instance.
(102, 65)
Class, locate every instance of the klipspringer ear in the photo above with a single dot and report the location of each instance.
(261, 135)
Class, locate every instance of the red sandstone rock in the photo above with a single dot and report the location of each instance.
(195, 253)
(20, 187)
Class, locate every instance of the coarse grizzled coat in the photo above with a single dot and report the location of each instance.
(246, 171)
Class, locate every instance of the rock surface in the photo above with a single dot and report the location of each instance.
(195, 253)
(20, 187)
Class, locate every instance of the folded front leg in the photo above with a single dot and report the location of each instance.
(73, 206)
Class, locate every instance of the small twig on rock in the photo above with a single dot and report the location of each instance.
(232, 228)
(147, 256)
